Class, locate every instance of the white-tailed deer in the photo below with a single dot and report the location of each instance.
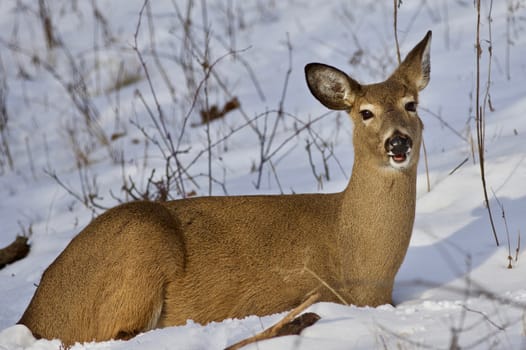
(144, 265)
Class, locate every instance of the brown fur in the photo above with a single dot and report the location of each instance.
(144, 265)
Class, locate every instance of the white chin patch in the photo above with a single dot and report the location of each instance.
(400, 161)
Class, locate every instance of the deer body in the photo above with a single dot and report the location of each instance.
(144, 265)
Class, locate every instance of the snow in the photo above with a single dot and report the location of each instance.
(453, 288)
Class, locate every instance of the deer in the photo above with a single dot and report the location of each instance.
(145, 265)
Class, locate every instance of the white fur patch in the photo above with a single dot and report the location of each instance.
(401, 165)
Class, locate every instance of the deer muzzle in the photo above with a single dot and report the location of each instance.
(398, 147)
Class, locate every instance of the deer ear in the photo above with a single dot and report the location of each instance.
(416, 67)
(332, 87)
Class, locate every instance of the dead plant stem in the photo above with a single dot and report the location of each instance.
(396, 4)
(480, 122)
(274, 330)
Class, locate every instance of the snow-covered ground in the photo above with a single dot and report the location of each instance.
(454, 288)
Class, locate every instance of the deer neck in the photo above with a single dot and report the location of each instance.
(377, 218)
(378, 204)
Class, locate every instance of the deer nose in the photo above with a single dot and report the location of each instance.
(398, 144)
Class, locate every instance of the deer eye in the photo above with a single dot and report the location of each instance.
(366, 114)
(410, 106)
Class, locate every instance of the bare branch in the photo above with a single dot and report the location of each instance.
(289, 320)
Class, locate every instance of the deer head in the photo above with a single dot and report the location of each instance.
(387, 129)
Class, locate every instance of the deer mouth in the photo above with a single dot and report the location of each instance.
(399, 160)
(398, 157)
(398, 149)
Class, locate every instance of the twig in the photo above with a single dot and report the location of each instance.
(518, 246)
(510, 259)
(312, 166)
(444, 123)
(480, 121)
(326, 285)
(162, 127)
(396, 4)
(266, 143)
(15, 251)
(47, 25)
(157, 60)
(205, 66)
(89, 194)
(500, 328)
(426, 165)
(458, 166)
(276, 177)
(275, 331)
(4, 117)
(75, 89)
